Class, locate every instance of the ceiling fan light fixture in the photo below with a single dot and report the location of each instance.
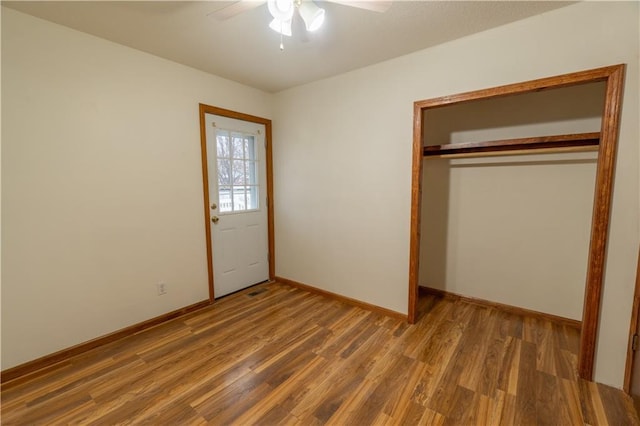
(281, 27)
(281, 10)
(312, 15)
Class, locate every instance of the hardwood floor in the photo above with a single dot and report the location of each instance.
(274, 354)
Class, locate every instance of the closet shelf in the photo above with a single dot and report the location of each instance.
(535, 145)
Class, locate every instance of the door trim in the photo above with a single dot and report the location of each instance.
(613, 76)
(633, 329)
(208, 109)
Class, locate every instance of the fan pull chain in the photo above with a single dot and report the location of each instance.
(281, 37)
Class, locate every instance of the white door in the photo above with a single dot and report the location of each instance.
(236, 161)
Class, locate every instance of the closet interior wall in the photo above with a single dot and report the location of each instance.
(512, 229)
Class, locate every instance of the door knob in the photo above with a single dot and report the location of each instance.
(214, 206)
(215, 219)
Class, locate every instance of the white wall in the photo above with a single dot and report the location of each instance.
(101, 183)
(342, 153)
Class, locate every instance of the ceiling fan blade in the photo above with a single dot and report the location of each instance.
(235, 9)
(372, 5)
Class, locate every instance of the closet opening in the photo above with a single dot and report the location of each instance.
(511, 193)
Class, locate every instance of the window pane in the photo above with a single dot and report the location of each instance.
(224, 199)
(251, 173)
(222, 141)
(224, 172)
(239, 198)
(238, 172)
(237, 142)
(252, 198)
(249, 148)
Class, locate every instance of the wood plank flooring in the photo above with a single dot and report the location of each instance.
(274, 354)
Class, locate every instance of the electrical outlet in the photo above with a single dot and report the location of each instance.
(162, 288)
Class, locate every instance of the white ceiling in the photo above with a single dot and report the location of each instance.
(244, 49)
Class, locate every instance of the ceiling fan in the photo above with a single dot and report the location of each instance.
(283, 12)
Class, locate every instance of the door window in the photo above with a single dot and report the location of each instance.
(237, 171)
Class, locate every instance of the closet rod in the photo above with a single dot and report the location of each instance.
(536, 145)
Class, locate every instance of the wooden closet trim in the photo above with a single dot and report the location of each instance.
(614, 78)
(633, 329)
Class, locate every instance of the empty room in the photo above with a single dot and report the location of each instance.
(320, 212)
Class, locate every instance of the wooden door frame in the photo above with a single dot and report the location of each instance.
(613, 76)
(633, 330)
(208, 109)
